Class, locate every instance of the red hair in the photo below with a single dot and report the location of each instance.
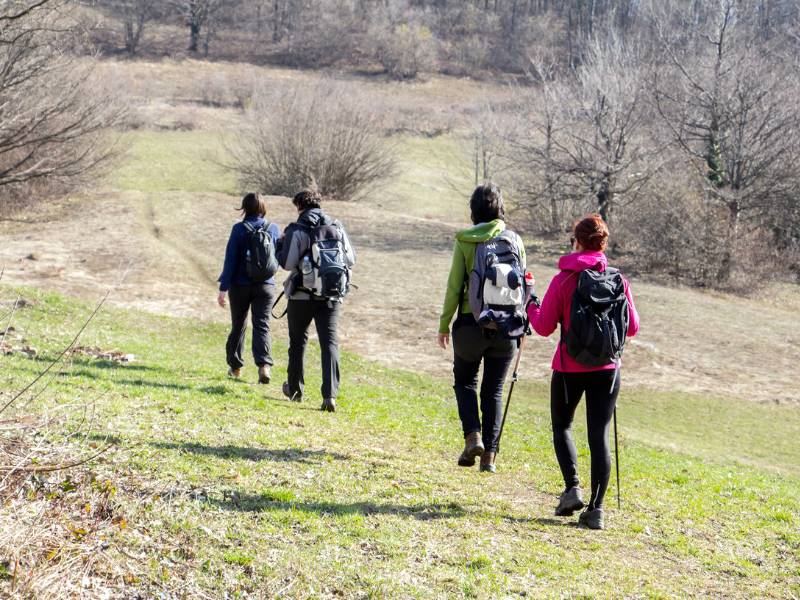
(591, 232)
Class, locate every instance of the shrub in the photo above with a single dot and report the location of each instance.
(404, 50)
(321, 134)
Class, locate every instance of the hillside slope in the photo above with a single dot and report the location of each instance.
(222, 487)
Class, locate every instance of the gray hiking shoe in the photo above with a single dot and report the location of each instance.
(294, 397)
(569, 501)
(473, 448)
(488, 462)
(592, 518)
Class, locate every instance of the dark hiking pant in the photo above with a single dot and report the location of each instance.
(601, 389)
(470, 348)
(257, 299)
(326, 320)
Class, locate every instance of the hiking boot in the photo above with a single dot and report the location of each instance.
(473, 448)
(234, 373)
(328, 405)
(487, 462)
(264, 374)
(569, 501)
(293, 396)
(592, 518)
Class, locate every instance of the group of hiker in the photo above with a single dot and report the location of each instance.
(318, 255)
(490, 292)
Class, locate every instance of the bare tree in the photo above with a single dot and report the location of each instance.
(731, 104)
(199, 16)
(133, 15)
(582, 141)
(54, 115)
(323, 134)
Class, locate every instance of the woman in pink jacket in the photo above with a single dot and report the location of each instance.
(571, 379)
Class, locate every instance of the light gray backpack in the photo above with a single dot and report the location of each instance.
(497, 287)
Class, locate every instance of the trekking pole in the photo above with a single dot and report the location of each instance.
(514, 379)
(616, 456)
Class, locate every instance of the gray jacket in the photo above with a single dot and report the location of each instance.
(296, 243)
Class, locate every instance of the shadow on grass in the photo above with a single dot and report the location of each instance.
(271, 502)
(255, 454)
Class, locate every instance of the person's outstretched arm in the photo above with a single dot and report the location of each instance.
(545, 318)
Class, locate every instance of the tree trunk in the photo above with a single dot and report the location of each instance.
(731, 241)
(194, 36)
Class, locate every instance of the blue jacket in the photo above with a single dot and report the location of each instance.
(233, 271)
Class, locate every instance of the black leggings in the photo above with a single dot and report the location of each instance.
(566, 389)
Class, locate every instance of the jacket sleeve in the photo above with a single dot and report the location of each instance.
(296, 243)
(633, 314)
(546, 318)
(455, 283)
(350, 252)
(231, 256)
(275, 234)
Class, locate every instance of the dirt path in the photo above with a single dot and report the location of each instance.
(169, 246)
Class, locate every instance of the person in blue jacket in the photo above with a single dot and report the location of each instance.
(246, 295)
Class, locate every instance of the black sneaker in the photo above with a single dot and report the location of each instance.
(569, 501)
(592, 518)
(293, 396)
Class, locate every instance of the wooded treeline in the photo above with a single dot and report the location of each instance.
(405, 37)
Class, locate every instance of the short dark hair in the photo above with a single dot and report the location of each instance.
(486, 204)
(307, 198)
(254, 205)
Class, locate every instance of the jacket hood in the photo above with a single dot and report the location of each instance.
(311, 217)
(482, 232)
(257, 221)
(580, 261)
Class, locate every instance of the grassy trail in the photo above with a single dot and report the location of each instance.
(224, 487)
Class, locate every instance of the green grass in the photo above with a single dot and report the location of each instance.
(166, 161)
(226, 487)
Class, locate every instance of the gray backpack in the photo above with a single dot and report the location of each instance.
(497, 287)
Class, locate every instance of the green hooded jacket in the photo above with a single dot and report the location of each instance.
(463, 257)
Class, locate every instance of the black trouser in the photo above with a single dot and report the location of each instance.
(326, 319)
(257, 298)
(566, 389)
(470, 347)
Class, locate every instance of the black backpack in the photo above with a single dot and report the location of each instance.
(261, 263)
(330, 276)
(598, 318)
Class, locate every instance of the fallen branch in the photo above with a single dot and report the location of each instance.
(52, 468)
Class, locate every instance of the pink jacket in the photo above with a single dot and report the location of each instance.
(557, 302)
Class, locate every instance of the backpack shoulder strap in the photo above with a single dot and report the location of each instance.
(248, 226)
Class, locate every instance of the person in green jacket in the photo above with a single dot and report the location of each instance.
(473, 344)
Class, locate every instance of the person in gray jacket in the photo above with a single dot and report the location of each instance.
(319, 255)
